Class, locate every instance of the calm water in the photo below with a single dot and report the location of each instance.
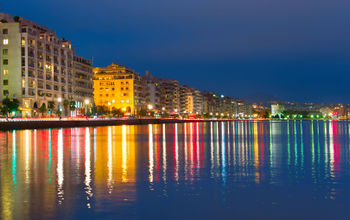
(217, 170)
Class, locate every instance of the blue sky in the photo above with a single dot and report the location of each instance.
(297, 50)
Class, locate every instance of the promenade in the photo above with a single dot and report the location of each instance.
(33, 123)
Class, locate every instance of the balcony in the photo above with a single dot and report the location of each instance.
(31, 75)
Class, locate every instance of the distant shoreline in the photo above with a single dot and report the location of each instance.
(64, 123)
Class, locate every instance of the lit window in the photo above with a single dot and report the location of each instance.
(6, 72)
(122, 101)
(5, 41)
(127, 101)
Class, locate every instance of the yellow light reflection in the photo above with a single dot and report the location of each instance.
(256, 152)
(110, 161)
(124, 155)
(27, 154)
(87, 181)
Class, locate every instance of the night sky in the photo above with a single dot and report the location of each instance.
(255, 49)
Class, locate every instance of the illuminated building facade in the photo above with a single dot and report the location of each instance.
(82, 84)
(118, 87)
(170, 96)
(36, 65)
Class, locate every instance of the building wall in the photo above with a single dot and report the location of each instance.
(40, 65)
(12, 71)
(114, 88)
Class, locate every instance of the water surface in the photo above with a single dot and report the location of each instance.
(214, 170)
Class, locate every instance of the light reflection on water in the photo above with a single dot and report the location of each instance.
(215, 169)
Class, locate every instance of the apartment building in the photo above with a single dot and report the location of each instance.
(118, 87)
(169, 96)
(36, 65)
(82, 84)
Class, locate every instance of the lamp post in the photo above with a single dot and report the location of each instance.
(59, 100)
(109, 108)
(150, 107)
(86, 101)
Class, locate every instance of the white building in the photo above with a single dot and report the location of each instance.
(277, 109)
(38, 67)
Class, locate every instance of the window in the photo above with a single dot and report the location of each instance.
(6, 72)
(5, 82)
(5, 31)
(5, 61)
(6, 92)
(5, 41)
(5, 52)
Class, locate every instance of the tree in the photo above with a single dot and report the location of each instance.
(9, 106)
(58, 113)
(42, 109)
(142, 112)
(16, 18)
(117, 112)
(65, 106)
(51, 106)
(101, 110)
(72, 105)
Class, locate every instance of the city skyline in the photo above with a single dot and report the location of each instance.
(301, 56)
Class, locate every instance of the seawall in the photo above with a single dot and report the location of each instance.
(53, 123)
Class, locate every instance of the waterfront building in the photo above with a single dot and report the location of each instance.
(118, 87)
(152, 92)
(186, 100)
(82, 84)
(277, 109)
(197, 101)
(37, 66)
(169, 96)
(244, 109)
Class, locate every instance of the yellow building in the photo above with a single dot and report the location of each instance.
(118, 87)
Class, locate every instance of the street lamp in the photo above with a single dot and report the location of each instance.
(86, 101)
(59, 100)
